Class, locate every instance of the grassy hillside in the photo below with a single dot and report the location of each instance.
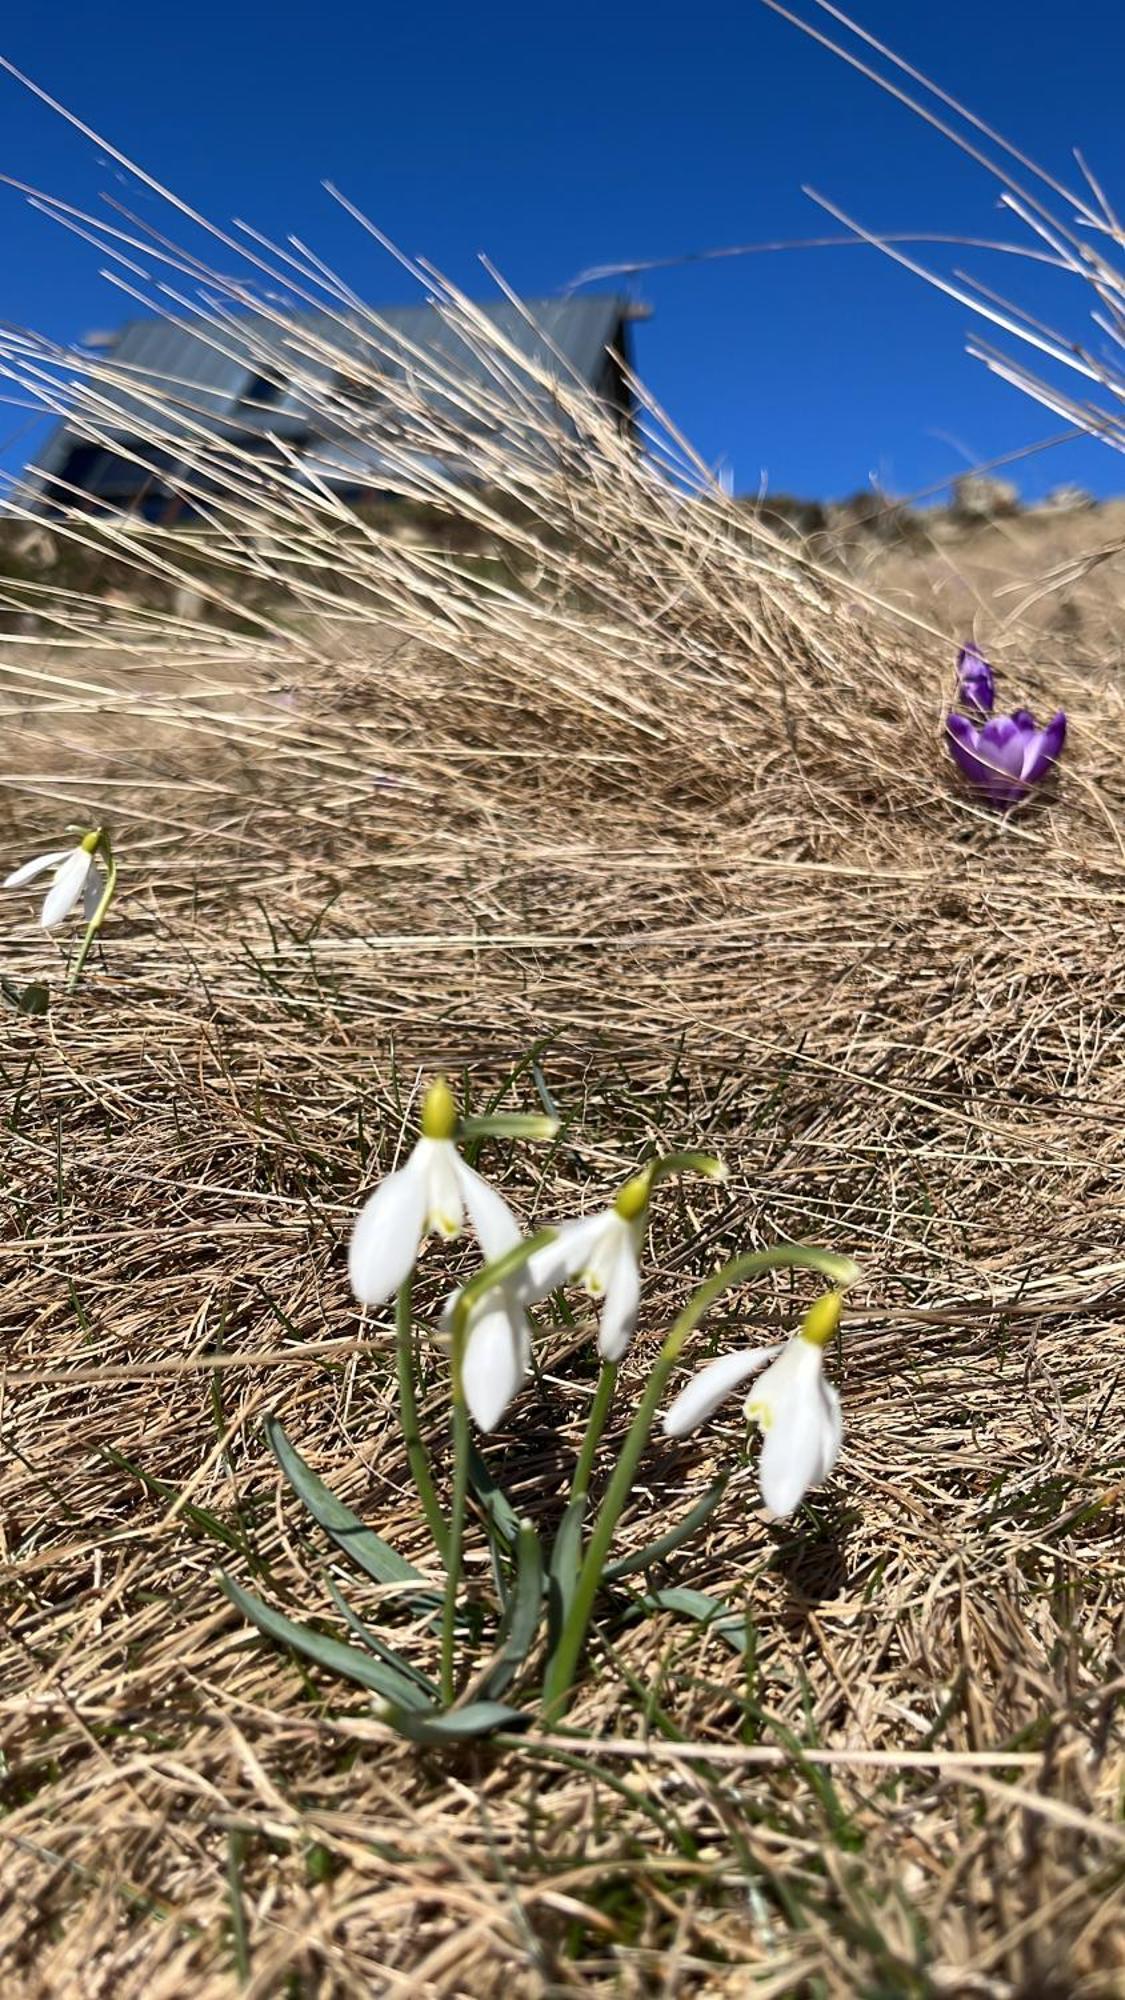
(665, 834)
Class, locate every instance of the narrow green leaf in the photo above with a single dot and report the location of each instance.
(728, 1625)
(495, 1504)
(524, 1607)
(565, 1557)
(367, 1549)
(655, 1552)
(477, 1718)
(330, 1653)
(382, 1651)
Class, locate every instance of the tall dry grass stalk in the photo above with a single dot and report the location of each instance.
(1072, 228)
(609, 792)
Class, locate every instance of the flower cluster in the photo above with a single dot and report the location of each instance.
(546, 1597)
(798, 1412)
(1003, 756)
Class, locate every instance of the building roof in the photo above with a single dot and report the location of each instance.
(236, 377)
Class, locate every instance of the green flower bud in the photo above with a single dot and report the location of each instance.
(632, 1199)
(439, 1111)
(822, 1319)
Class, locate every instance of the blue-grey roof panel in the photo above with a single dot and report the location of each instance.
(244, 375)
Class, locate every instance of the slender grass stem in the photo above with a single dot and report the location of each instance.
(408, 1406)
(560, 1674)
(599, 1411)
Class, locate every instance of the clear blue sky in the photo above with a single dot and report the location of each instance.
(554, 139)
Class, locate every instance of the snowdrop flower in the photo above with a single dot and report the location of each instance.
(76, 879)
(797, 1411)
(601, 1251)
(431, 1192)
(497, 1357)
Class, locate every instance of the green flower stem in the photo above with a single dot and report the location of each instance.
(599, 1411)
(415, 1450)
(704, 1164)
(493, 1274)
(839, 1270)
(456, 1535)
(98, 918)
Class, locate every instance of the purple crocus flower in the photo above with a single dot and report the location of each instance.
(1006, 755)
(974, 676)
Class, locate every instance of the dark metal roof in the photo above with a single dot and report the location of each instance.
(234, 376)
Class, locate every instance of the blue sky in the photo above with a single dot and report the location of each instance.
(556, 139)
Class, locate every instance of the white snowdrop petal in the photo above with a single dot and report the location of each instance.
(66, 888)
(713, 1384)
(622, 1300)
(496, 1227)
(832, 1436)
(387, 1233)
(791, 1456)
(801, 1441)
(561, 1259)
(496, 1360)
(92, 893)
(39, 866)
(438, 1163)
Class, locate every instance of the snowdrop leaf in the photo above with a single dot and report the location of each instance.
(728, 1625)
(326, 1652)
(477, 1718)
(654, 1552)
(33, 999)
(497, 1508)
(392, 1659)
(566, 1555)
(366, 1549)
(524, 1608)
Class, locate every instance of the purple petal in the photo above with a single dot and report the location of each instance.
(976, 679)
(1001, 742)
(993, 766)
(1043, 748)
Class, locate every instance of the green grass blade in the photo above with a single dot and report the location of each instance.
(326, 1652)
(493, 1502)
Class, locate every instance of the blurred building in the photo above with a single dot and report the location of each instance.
(335, 399)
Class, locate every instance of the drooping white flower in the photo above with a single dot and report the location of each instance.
(601, 1251)
(497, 1355)
(76, 878)
(797, 1411)
(431, 1192)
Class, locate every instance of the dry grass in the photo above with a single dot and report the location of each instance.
(668, 804)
